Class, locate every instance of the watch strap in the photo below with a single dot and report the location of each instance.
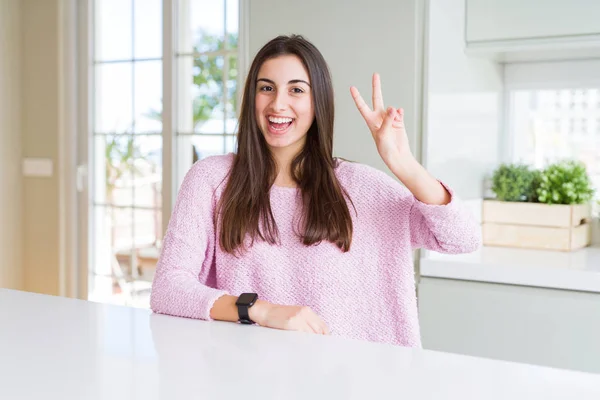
(243, 313)
(243, 303)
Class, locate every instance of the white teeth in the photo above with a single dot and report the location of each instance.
(280, 120)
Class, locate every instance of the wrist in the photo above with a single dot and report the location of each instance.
(404, 167)
(258, 311)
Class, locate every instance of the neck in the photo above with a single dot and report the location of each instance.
(283, 159)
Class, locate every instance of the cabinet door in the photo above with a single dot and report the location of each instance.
(500, 20)
(555, 328)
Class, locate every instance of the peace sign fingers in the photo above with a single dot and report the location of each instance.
(363, 108)
(377, 96)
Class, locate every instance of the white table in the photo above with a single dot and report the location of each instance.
(57, 348)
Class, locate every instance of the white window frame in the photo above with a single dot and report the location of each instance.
(70, 279)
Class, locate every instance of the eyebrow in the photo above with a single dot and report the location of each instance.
(289, 83)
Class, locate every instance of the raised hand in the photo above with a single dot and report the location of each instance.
(386, 125)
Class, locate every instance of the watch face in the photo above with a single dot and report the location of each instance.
(246, 299)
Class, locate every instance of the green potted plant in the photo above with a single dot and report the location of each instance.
(565, 182)
(547, 209)
(514, 182)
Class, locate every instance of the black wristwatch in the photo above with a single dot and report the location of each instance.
(243, 303)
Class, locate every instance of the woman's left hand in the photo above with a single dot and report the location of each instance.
(387, 126)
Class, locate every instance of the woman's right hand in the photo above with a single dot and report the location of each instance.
(291, 318)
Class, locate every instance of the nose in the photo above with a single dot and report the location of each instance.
(279, 101)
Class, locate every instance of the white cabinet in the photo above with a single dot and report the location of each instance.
(517, 20)
(557, 328)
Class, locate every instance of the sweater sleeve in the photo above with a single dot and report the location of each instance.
(449, 228)
(180, 284)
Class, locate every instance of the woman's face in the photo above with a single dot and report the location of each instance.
(284, 105)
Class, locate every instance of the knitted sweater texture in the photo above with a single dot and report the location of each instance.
(367, 293)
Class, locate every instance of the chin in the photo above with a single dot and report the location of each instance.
(281, 143)
(277, 144)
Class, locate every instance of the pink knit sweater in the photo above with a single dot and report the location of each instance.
(367, 293)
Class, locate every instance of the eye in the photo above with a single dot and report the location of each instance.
(266, 89)
(297, 90)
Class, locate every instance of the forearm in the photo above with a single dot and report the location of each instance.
(177, 292)
(419, 181)
(449, 229)
(224, 309)
(295, 318)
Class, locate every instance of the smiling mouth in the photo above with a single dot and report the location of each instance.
(279, 124)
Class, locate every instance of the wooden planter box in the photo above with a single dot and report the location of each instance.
(536, 225)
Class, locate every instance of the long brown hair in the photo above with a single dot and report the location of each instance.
(245, 206)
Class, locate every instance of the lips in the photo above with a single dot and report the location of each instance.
(279, 129)
(279, 125)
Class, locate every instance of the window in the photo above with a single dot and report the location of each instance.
(207, 80)
(126, 208)
(539, 134)
(554, 114)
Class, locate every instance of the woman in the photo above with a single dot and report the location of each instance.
(284, 235)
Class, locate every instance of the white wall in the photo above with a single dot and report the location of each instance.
(356, 38)
(11, 275)
(463, 105)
